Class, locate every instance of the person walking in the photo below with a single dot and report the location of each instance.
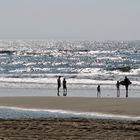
(58, 85)
(98, 91)
(118, 88)
(64, 87)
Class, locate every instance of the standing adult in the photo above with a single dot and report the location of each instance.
(118, 88)
(58, 85)
(98, 91)
(126, 82)
(64, 87)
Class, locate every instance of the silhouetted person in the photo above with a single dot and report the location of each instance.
(98, 91)
(58, 85)
(64, 87)
(118, 88)
(126, 82)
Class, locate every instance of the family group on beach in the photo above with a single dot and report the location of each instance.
(126, 82)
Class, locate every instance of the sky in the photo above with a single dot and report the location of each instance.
(70, 19)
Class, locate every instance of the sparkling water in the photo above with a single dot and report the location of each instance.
(37, 63)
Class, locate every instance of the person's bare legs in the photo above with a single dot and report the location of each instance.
(65, 92)
(126, 91)
(118, 93)
(58, 91)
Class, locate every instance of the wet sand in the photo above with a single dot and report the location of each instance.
(120, 106)
(72, 128)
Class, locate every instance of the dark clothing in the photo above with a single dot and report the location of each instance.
(118, 85)
(98, 88)
(127, 83)
(64, 87)
(59, 82)
(118, 88)
(64, 84)
(58, 85)
(98, 91)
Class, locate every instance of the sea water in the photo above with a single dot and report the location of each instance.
(36, 64)
(31, 68)
(84, 64)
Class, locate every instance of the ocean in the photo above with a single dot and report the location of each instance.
(84, 64)
(31, 68)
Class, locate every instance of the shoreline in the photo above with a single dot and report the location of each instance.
(72, 127)
(25, 113)
(114, 106)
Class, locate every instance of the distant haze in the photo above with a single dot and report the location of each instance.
(70, 19)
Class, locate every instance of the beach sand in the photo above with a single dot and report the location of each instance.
(120, 106)
(72, 128)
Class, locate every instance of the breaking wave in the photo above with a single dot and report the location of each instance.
(41, 61)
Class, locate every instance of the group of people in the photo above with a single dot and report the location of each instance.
(126, 82)
(64, 86)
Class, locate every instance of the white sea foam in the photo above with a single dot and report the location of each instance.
(80, 62)
(50, 80)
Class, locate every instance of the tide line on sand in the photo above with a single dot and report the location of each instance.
(7, 112)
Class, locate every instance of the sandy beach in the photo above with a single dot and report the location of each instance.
(120, 106)
(72, 128)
